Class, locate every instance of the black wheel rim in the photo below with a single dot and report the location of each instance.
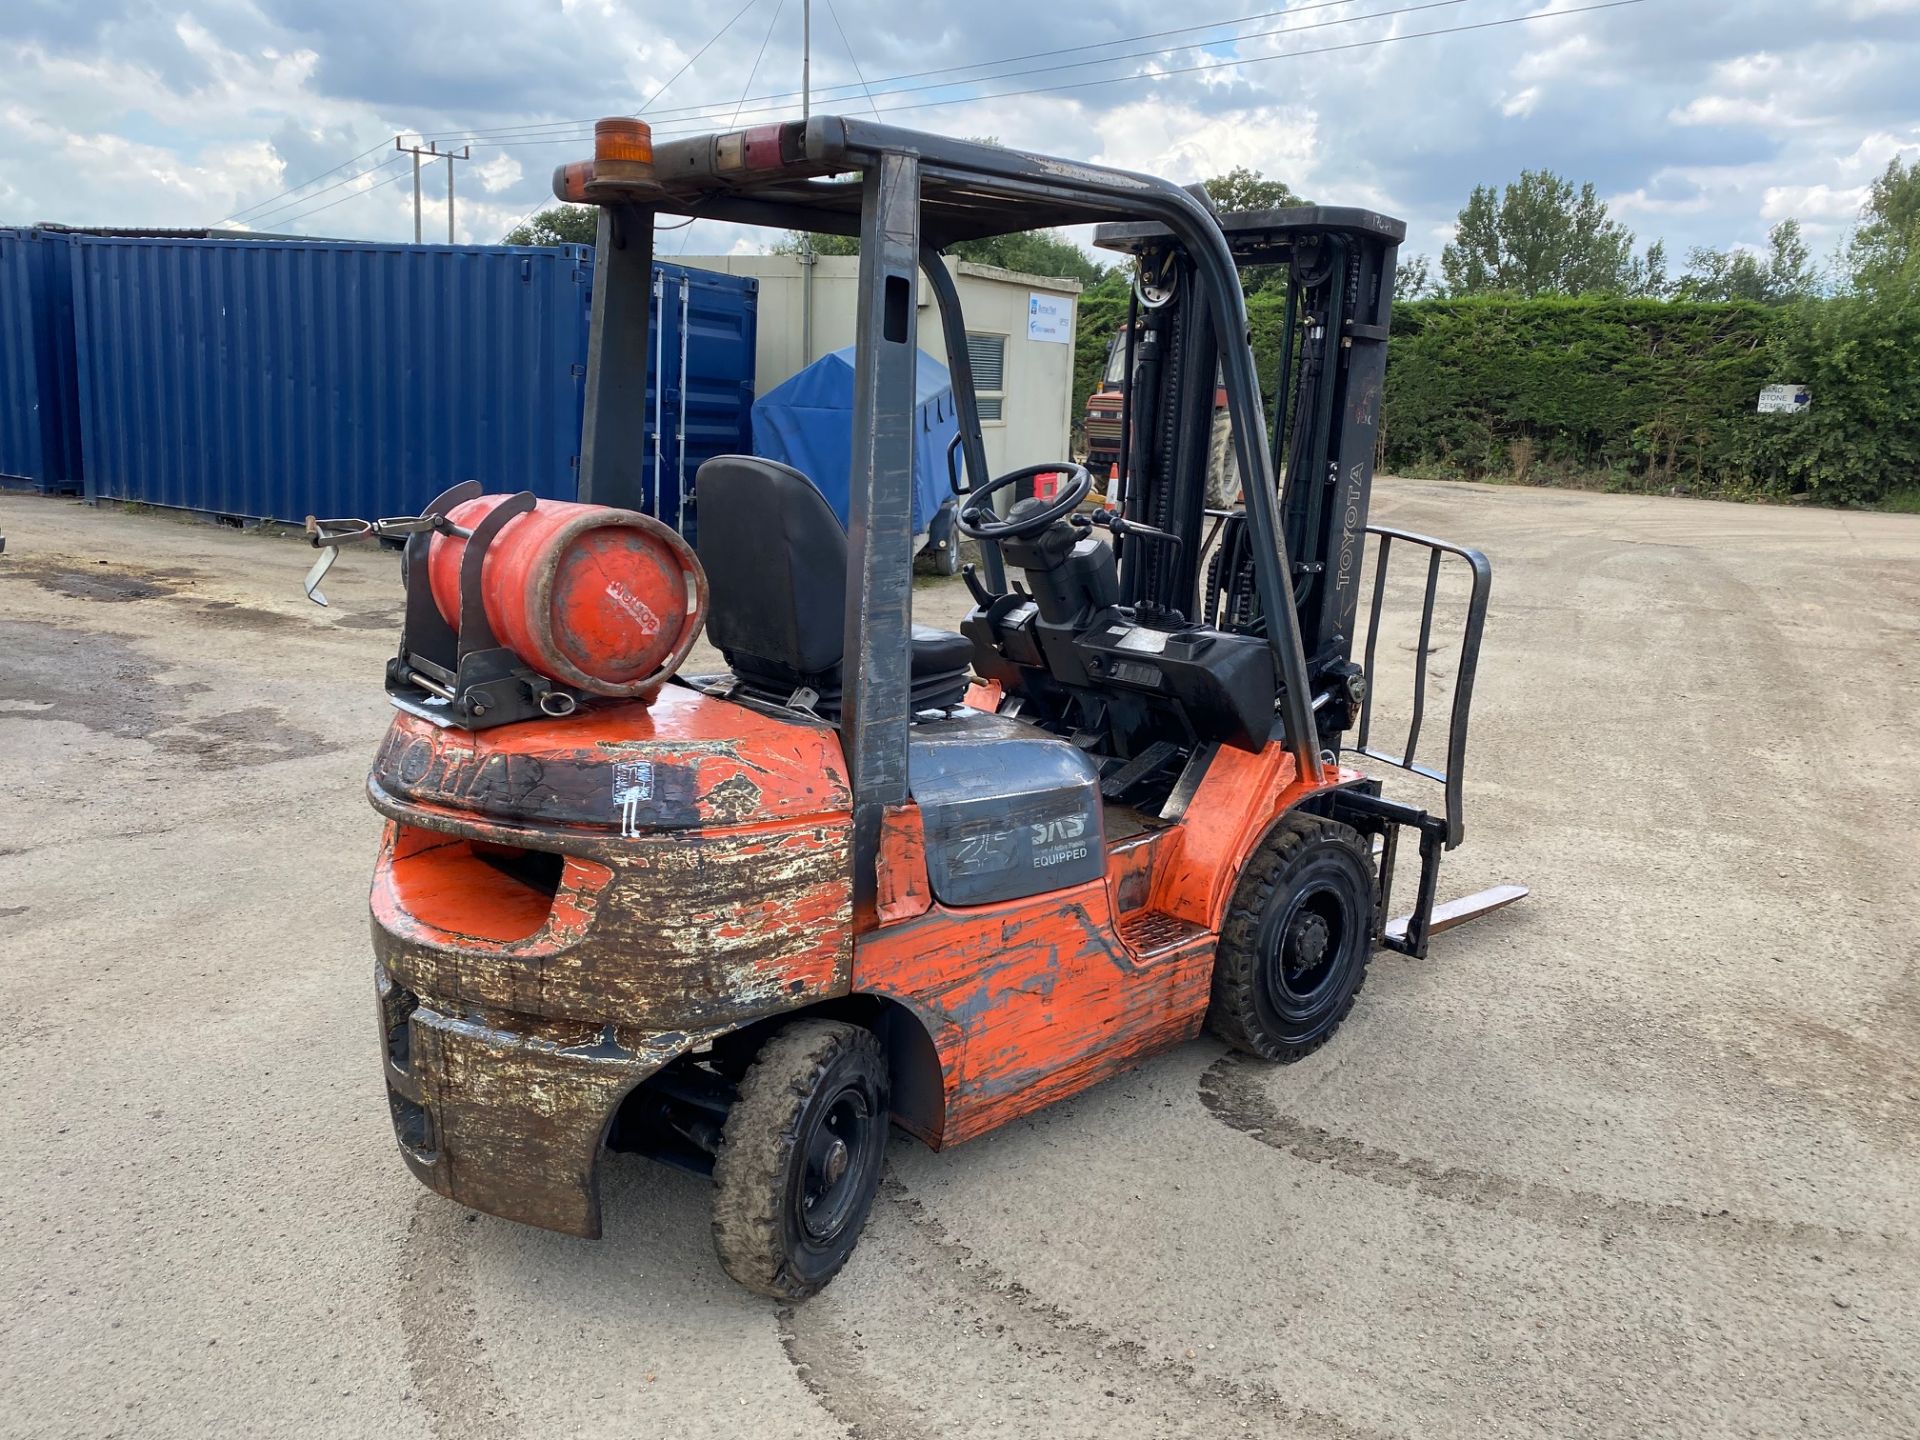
(1308, 950)
(836, 1157)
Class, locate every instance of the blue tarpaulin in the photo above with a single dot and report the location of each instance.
(807, 422)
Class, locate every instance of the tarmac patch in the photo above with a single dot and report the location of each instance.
(103, 682)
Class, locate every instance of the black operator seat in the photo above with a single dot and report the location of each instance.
(776, 563)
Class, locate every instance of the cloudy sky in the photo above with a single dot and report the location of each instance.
(1703, 121)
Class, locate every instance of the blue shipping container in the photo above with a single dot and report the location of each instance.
(701, 341)
(277, 379)
(39, 388)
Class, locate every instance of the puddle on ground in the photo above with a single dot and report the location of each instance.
(104, 682)
(100, 580)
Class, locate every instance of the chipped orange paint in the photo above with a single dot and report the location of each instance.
(686, 760)
(901, 867)
(1237, 802)
(706, 882)
(986, 695)
(1130, 865)
(1033, 999)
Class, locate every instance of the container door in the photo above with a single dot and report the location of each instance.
(661, 496)
(717, 318)
(700, 339)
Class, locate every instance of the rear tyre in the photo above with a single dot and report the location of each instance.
(1299, 932)
(800, 1158)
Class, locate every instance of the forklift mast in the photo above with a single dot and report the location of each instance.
(1338, 267)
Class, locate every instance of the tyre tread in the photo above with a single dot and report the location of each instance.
(1231, 1012)
(749, 1173)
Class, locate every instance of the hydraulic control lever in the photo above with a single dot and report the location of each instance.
(1120, 527)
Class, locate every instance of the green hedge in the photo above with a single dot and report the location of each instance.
(1638, 394)
(1658, 395)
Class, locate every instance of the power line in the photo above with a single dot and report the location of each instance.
(1237, 62)
(1169, 50)
(695, 111)
(759, 55)
(292, 190)
(351, 194)
(693, 126)
(274, 216)
(779, 6)
(693, 57)
(856, 59)
(1288, 55)
(656, 94)
(304, 183)
(1153, 76)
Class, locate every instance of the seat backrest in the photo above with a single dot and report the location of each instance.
(776, 562)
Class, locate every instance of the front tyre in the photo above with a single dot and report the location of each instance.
(800, 1158)
(1299, 932)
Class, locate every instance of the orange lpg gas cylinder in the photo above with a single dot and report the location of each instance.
(607, 601)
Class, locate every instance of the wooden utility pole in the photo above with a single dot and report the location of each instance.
(432, 151)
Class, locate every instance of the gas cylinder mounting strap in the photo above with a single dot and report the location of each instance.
(327, 536)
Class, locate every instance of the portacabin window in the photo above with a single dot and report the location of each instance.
(987, 358)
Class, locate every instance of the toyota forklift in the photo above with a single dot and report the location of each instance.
(873, 874)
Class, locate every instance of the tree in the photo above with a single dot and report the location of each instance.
(1412, 277)
(1647, 274)
(1885, 250)
(557, 225)
(1543, 237)
(790, 243)
(1241, 190)
(1032, 252)
(1784, 273)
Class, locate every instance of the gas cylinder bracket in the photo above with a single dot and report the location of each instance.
(465, 679)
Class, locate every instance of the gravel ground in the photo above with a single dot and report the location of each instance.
(1636, 1157)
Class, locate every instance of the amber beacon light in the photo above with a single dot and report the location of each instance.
(623, 150)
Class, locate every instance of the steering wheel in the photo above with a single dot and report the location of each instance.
(976, 517)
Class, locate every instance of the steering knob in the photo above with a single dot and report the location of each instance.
(977, 518)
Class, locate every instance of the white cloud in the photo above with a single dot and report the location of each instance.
(1640, 201)
(1521, 102)
(1703, 129)
(1733, 110)
(497, 172)
(1812, 202)
(1870, 157)
(1185, 145)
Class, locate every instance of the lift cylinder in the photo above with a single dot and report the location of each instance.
(607, 601)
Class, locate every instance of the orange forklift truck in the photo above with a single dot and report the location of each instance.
(876, 874)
